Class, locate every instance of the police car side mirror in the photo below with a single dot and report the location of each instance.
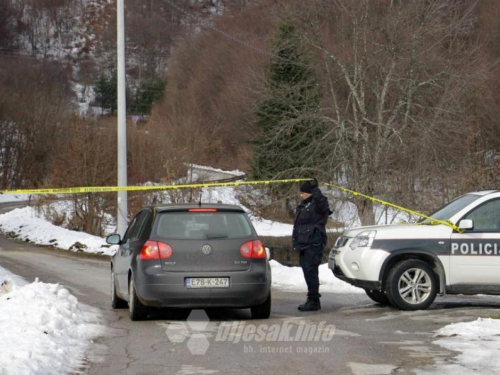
(466, 224)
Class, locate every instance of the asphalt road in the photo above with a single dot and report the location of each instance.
(368, 339)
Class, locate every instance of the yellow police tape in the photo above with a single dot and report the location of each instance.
(433, 221)
(112, 189)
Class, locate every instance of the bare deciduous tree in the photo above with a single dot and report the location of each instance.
(398, 78)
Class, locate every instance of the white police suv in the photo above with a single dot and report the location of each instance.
(408, 265)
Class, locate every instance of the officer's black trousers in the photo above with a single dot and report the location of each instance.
(310, 260)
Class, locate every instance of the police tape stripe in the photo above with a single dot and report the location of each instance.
(112, 189)
(451, 225)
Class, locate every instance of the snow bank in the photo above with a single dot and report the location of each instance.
(5, 198)
(479, 343)
(268, 228)
(27, 226)
(292, 279)
(347, 213)
(11, 279)
(42, 329)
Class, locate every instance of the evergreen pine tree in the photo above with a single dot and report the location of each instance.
(105, 90)
(148, 92)
(286, 116)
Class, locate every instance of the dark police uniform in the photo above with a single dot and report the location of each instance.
(309, 237)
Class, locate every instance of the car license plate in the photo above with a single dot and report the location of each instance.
(331, 264)
(207, 282)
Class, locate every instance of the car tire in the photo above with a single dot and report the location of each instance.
(378, 296)
(412, 285)
(116, 302)
(137, 310)
(262, 311)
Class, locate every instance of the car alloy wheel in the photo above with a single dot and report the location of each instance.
(411, 285)
(415, 286)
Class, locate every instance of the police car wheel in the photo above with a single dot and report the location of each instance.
(412, 285)
(378, 296)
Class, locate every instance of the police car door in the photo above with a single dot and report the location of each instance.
(475, 254)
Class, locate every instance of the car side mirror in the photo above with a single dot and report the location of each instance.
(466, 224)
(114, 239)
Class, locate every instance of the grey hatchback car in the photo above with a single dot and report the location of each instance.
(190, 256)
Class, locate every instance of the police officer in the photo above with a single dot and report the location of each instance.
(309, 237)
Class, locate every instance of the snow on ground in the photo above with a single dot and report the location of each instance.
(479, 345)
(292, 279)
(346, 212)
(5, 198)
(25, 223)
(64, 211)
(13, 280)
(43, 329)
(268, 228)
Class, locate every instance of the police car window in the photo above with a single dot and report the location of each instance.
(452, 208)
(486, 217)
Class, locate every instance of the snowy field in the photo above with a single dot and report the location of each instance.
(292, 279)
(479, 345)
(43, 329)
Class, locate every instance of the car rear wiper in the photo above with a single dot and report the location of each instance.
(214, 236)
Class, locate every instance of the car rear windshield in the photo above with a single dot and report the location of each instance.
(203, 225)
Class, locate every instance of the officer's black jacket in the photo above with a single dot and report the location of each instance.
(311, 216)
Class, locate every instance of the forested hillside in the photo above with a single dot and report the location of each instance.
(406, 95)
(391, 98)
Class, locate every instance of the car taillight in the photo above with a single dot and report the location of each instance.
(155, 250)
(165, 250)
(202, 210)
(253, 249)
(150, 251)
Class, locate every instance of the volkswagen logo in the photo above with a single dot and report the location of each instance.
(206, 249)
